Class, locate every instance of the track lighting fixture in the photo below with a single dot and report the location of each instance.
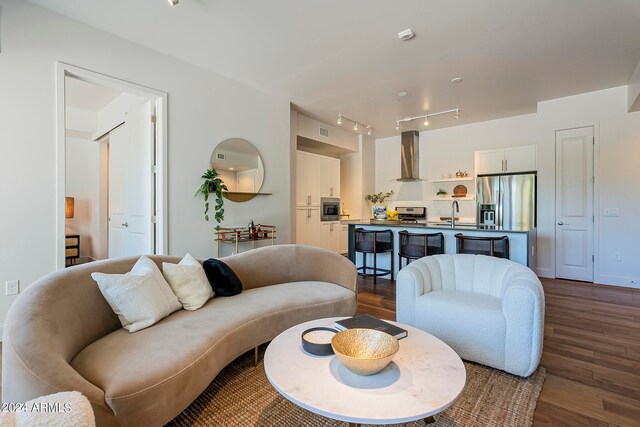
(173, 2)
(426, 117)
(356, 124)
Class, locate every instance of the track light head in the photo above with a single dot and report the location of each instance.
(397, 125)
(173, 2)
(339, 119)
(457, 116)
(355, 127)
(368, 130)
(426, 121)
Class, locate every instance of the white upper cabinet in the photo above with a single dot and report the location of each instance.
(317, 176)
(505, 160)
(334, 175)
(490, 161)
(520, 159)
(307, 179)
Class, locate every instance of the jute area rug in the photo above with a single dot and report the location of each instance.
(241, 395)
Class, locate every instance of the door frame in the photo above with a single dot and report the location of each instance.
(596, 196)
(157, 97)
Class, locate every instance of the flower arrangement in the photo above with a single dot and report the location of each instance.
(379, 198)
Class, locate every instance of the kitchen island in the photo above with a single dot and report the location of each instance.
(522, 242)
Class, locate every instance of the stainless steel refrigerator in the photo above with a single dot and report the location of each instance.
(507, 201)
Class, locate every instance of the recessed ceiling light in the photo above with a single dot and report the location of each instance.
(173, 2)
(456, 80)
(406, 34)
(403, 93)
(231, 169)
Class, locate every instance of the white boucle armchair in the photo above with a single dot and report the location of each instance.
(489, 310)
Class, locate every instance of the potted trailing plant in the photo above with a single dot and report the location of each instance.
(441, 193)
(212, 184)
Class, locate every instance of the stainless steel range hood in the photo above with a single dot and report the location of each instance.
(410, 165)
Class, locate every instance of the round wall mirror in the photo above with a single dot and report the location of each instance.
(240, 167)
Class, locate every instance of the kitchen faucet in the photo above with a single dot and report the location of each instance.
(454, 208)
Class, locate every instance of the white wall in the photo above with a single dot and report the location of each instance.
(203, 108)
(618, 150)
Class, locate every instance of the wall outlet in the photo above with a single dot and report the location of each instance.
(617, 256)
(611, 212)
(12, 287)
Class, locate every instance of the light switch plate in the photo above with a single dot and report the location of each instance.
(12, 287)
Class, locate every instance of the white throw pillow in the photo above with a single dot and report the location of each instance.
(139, 301)
(189, 282)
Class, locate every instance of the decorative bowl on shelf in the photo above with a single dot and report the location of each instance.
(364, 351)
(459, 191)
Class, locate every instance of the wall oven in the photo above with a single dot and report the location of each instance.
(329, 209)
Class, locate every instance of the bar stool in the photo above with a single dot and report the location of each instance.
(416, 245)
(492, 246)
(373, 242)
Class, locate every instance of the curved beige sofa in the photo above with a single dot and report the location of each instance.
(61, 334)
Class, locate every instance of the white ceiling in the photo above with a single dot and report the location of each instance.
(330, 56)
(88, 96)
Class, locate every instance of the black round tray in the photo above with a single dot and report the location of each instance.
(315, 348)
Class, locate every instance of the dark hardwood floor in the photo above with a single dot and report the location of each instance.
(591, 350)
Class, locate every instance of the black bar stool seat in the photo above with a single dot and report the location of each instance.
(418, 245)
(491, 246)
(373, 242)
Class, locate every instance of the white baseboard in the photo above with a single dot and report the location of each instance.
(624, 281)
(544, 272)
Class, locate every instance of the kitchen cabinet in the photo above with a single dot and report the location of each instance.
(317, 176)
(505, 160)
(308, 226)
(329, 177)
(344, 238)
(307, 179)
(330, 235)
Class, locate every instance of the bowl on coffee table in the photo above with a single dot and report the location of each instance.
(364, 351)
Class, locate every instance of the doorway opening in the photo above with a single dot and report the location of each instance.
(111, 168)
(575, 212)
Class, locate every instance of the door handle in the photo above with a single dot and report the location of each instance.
(126, 224)
(563, 223)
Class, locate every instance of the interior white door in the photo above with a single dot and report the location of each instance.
(246, 181)
(131, 185)
(574, 204)
(117, 188)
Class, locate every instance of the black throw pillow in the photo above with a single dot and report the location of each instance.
(222, 278)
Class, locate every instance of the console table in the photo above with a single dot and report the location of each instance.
(235, 236)
(71, 249)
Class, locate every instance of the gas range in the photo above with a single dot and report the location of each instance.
(412, 215)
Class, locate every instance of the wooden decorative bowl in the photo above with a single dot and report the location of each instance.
(364, 351)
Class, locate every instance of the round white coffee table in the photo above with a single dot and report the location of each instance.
(425, 377)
